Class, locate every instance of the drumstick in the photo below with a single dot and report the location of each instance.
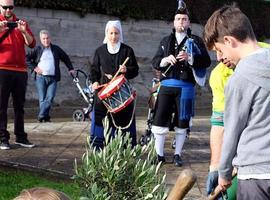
(100, 86)
(184, 183)
(218, 190)
(124, 63)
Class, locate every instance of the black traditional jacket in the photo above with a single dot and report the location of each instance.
(181, 70)
(106, 63)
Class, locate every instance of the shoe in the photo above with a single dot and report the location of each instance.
(25, 143)
(47, 120)
(4, 145)
(177, 160)
(40, 119)
(160, 159)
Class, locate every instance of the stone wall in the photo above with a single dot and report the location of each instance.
(79, 37)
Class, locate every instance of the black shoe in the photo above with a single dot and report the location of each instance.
(177, 160)
(4, 145)
(160, 159)
(40, 119)
(25, 143)
(47, 119)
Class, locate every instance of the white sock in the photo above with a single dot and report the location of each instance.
(180, 137)
(159, 143)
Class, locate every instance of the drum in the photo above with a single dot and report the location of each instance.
(117, 94)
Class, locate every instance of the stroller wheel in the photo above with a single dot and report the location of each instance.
(142, 140)
(145, 139)
(173, 143)
(78, 116)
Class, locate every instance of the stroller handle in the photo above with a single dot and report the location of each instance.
(77, 72)
(75, 77)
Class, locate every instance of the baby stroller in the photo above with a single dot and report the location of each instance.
(85, 92)
(146, 138)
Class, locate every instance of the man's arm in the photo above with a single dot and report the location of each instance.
(27, 34)
(236, 115)
(3, 26)
(31, 57)
(65, 58)
(160, 54)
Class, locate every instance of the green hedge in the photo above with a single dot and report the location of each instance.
(257, 10)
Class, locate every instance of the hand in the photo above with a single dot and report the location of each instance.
(212, 182)
(95, 86)
(109, 76)
(228, 63)
(182, 56)
(38, 70)
(22, 26)
(72, 72)
(171, 59)
(3, 26)
(224, 183)
(123, 68)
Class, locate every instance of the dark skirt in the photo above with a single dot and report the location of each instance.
(168, 108)
(120, 119)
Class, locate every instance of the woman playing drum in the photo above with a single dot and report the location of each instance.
(106, 63)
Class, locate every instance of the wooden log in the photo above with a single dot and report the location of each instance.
(183, 184)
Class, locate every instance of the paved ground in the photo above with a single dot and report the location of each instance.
(59, 143)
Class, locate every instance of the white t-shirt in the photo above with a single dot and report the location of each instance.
(46, 62)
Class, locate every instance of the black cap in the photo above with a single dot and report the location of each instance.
(182, 10)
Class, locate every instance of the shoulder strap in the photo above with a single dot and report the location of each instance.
(4, 36)
(183, 41)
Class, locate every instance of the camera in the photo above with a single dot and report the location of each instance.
(12, 24)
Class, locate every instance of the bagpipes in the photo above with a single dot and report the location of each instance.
(192, 49)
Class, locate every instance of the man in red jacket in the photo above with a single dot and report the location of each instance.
(14, 34)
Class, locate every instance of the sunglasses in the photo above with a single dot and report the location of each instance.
(7, 7)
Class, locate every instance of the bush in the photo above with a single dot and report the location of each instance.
(119, 172)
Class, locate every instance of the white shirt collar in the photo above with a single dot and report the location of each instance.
(180, 36)
(113, 49)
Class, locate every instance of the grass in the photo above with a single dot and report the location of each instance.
(13, 182)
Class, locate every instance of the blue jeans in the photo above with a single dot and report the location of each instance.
(212, 183)
(46, 87)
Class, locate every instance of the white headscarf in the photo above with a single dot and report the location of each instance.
(116, 24)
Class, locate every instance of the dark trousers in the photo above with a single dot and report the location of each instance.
(13, 83)
(252, 189)
(168, 102)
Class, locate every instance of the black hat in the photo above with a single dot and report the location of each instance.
(182, 8)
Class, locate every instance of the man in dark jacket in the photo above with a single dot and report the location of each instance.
(182, 60)
(44, 62)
